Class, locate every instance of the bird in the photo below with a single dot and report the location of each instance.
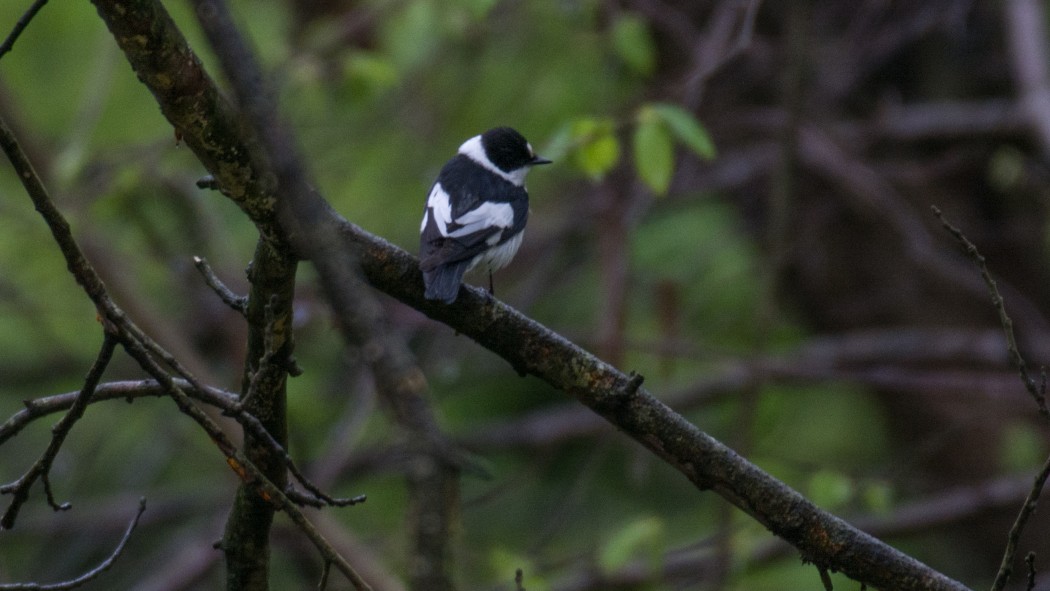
(476, 211)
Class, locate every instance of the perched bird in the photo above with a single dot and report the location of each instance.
(476, 211)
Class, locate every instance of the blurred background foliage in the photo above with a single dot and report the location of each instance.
(738, 211)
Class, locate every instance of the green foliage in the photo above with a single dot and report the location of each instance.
(653, 152)
(642, 538)
(830, 489)
(685, 128)
(595, 147)
(716, 295)
(1023, 447)
(659, 124)
(633, 43)
(848, 417)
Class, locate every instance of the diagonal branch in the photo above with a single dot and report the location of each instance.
(42, 467)
(20, 26)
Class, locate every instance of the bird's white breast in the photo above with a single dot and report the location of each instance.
(497, 257)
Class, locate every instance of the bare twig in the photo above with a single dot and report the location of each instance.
(20, 26)
(825, 579)
(41, 468)
(324, 576)
(238, 303)
(318, 499)
(1013, 538)
(126, 390)
(91, 574)
(220, 399)
(1037, 392)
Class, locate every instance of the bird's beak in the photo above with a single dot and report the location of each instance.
(539, 160)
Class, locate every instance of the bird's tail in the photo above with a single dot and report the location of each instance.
(443, 282)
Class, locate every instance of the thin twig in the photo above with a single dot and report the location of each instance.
(20, 26)
(324, 576)
(221, 399)
(238, 303)
(825, 579)
(1038, 393)
(1014, 537)
(126, 390)
(321, 500)
(91, 574)
(19, 489)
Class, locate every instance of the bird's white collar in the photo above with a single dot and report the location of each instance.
(475, 150)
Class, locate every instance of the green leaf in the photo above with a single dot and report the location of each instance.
(686, 129)
(633, 43)
(653, 154)
(596, 148)
(368, 74)
(643, 536)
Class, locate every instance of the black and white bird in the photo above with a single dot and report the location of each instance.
(476, 211)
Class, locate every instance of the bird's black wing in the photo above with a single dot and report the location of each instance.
(437, 250)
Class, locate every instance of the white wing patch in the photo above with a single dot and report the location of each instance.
(487, 215)
(438, 205)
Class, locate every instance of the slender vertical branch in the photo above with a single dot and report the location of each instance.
(246, 541)
(1038, 393)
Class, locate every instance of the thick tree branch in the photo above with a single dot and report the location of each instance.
(529, 346)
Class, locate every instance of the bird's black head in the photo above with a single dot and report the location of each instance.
(509, 150)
